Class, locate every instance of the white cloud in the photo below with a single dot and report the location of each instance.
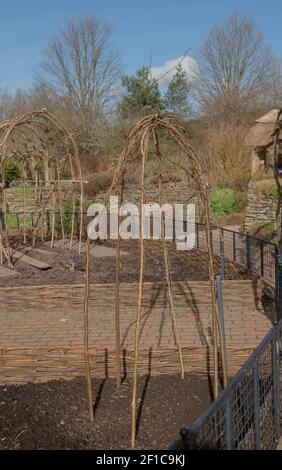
(189, 65)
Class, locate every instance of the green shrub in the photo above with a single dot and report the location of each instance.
(273, 191)
(11, 172)
(66, 174)
(241, 199)
(266, 187)
(223, 202)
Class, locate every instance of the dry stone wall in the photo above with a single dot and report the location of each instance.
(173, 193)
(261, 209)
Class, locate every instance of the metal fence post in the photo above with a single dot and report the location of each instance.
(222, 261)
(276, 385)
(257, 406)
(189, 439)
(197, 235)
(228, 424)
(234, 246)
(248, 257)
(219, 298)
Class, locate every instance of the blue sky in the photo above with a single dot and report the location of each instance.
(166, 27)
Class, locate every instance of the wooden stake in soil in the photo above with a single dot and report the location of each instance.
(53, 218)
(117, 299)
(6, 231)
(213, 298)
(36, 206)
(166, 258)
(86, 333)
(24, 203)
(1, 249)
(61, 205)
(81, 217)
(72, 217)
(140, 296)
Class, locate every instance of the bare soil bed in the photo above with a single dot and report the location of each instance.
(54, 415)
(191, 265)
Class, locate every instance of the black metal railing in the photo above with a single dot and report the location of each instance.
(247, 413)
(28, 220)
(256, 254)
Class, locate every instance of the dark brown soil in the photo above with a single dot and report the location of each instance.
(54, 415)
(190, 265)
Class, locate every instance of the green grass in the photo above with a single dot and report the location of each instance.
(223, 202)
(18, 222)
(20, 190)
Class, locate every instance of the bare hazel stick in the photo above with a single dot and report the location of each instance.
(144, 150)
(173, 315)
(24, 204)
(81, 215)
(61, 205)
(6, 231)
(38, 216)
(166, 257)
(213, 297)
(72, 217)
(86, 333)
(117, 299)
(42, 213)
(3, 251)
(36, 208)
(53, 220)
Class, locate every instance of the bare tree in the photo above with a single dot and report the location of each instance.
(237, 72)
(5, 102)
(13, 104)
(83, 68)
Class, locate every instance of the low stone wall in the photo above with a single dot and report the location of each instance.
(173, 193)
(261, 209)
(182, 192)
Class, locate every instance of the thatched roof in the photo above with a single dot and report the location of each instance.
(260, 135)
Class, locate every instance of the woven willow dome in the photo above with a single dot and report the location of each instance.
(144, 139)
(44, 151)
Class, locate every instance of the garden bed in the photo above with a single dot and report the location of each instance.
(54, 415)
(185, 265)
